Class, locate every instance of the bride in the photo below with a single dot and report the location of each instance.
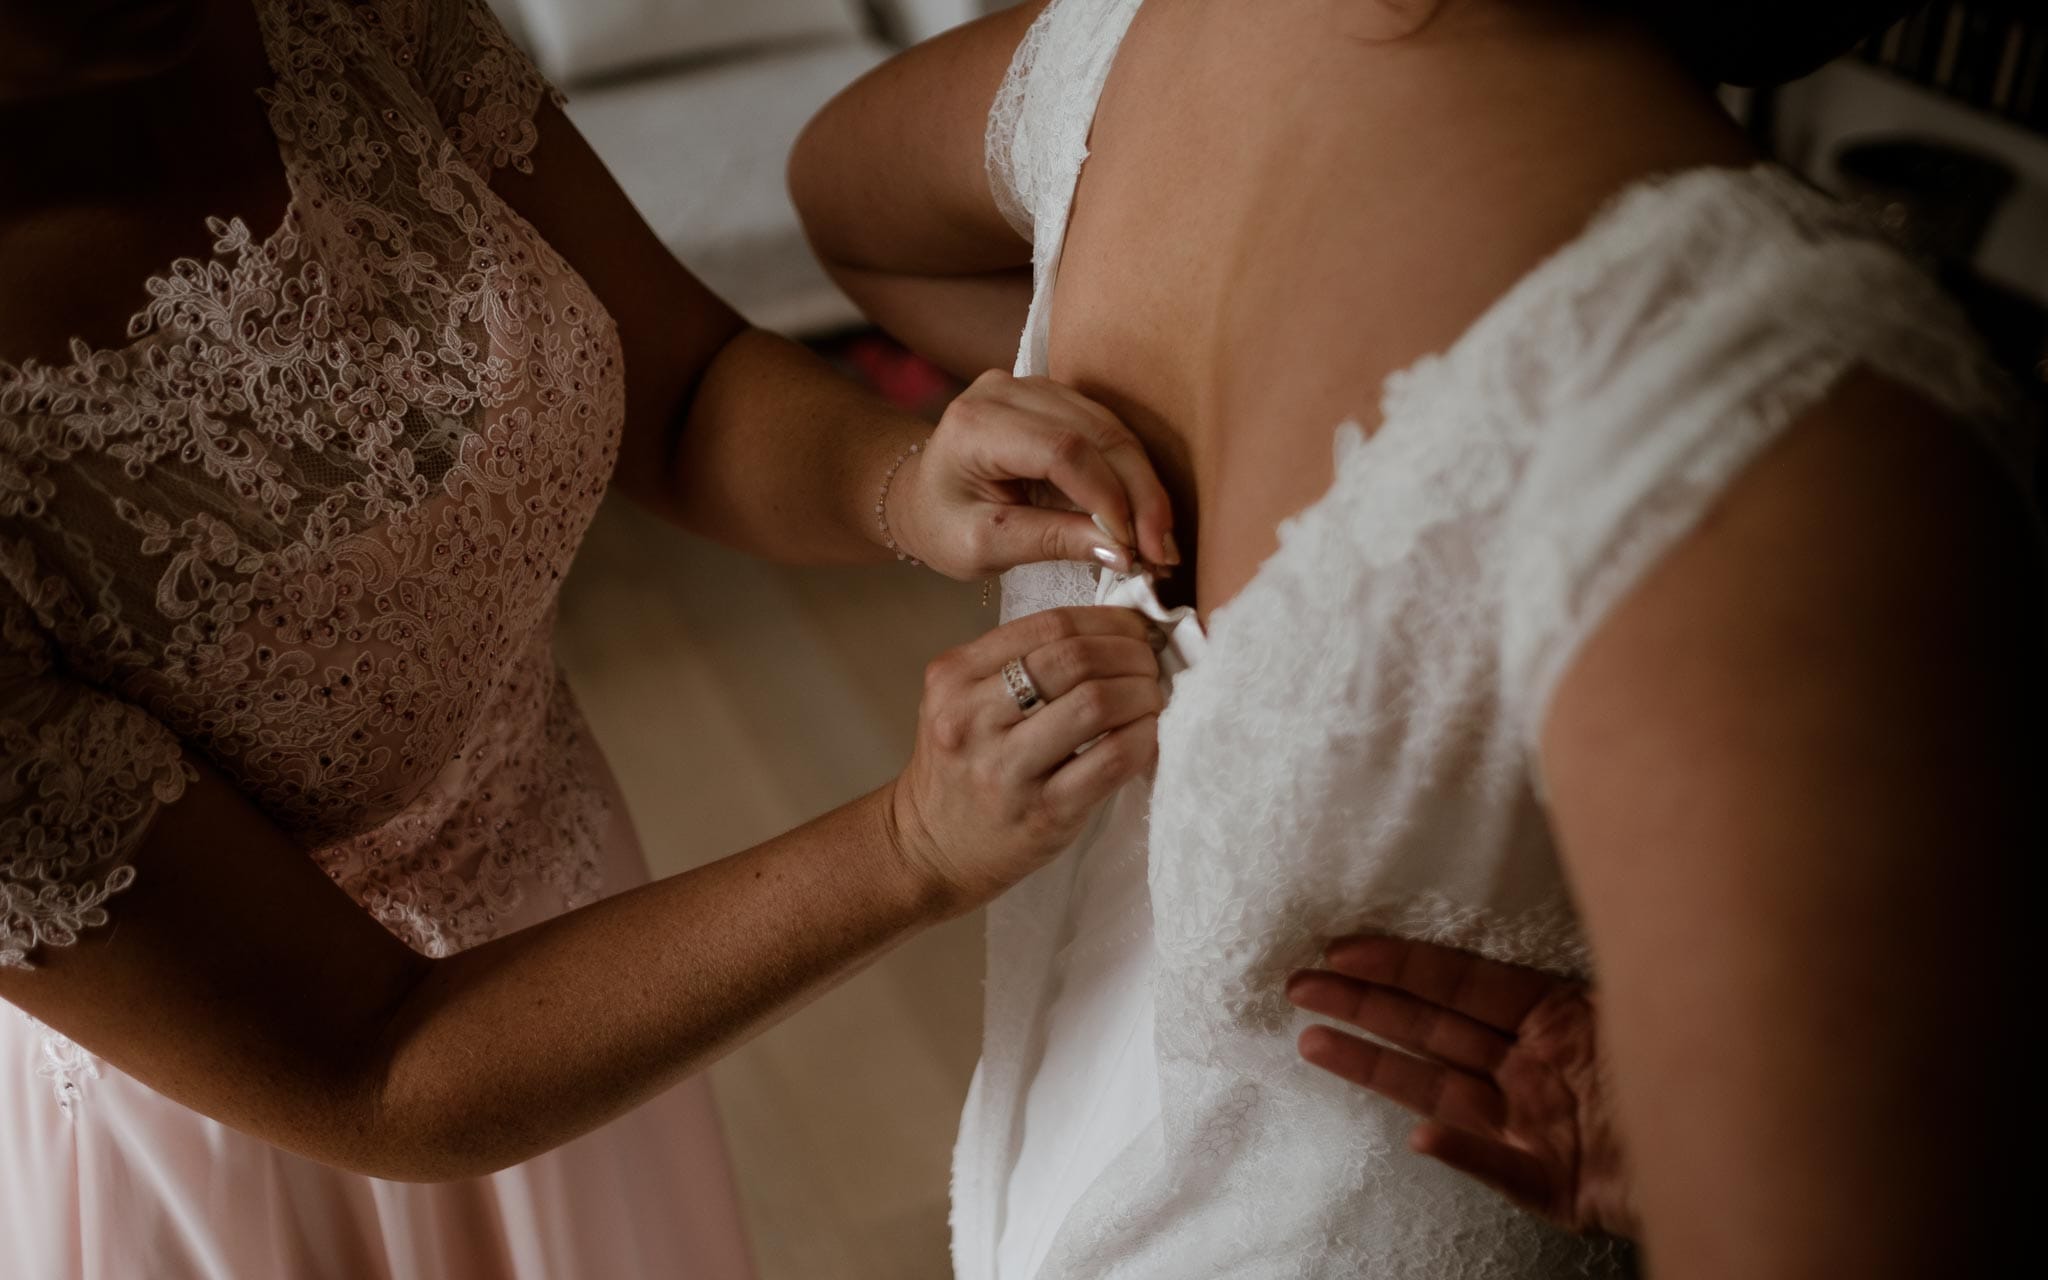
(1598, 550)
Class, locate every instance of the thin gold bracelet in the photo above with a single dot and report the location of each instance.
(882, 503)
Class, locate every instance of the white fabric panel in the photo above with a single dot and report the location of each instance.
(583, 40)
(702, 157)
(1095, 1091)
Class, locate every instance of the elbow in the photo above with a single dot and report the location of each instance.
(408, 1162)
(812, 191)
(401, 1111)
(799, 173)
(441, 1139)
(816, 188)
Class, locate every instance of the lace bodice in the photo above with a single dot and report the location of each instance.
(309, 522)
(1357, 748)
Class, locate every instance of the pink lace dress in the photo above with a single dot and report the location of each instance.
(309, 525)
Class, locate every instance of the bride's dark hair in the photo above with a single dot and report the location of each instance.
(1744, 42)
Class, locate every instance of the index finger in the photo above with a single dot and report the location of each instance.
(988, 653)
(1499, 995)
(1064, 452)
(1430, 1089)
(1151, 510)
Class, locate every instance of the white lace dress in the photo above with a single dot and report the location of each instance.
(309, 524)
(1356, 746)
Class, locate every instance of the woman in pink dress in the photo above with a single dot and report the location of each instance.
(332, 950)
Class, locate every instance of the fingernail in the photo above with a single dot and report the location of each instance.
(1172, 547)
(1114, 557)
(1159, 639)
(1122, 536)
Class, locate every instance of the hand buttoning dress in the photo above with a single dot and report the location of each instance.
(1353, 745)
(309, 524)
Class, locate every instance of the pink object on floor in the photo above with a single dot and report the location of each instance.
(906, 380)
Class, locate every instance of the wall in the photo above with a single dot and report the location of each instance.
(1848, 102)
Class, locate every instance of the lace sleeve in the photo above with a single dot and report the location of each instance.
(484, 87)
(1633, 459)
(81, 776)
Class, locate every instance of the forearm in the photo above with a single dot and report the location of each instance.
(965, 324)
(780, 456)
(523, 1043)
(241, 981)
(236, 977)
(729, 431)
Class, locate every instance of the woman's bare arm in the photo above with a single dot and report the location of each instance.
(894, 193)
(748, 438)
(240, 981)
(236, 978)
(1794, 777)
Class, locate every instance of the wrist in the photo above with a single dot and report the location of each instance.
(893, 523)
(911, 860)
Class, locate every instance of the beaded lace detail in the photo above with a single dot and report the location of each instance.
(67, 1067)
(310, 522)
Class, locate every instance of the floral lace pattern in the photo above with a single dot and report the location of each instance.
(311, 521)
(1356, 751)
(80, 783)
(1036, 143)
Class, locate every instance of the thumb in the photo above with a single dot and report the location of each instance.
(1018, 535)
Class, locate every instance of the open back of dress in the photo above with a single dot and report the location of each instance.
(1356, 749)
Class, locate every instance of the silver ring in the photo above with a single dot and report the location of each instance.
(1022, 687)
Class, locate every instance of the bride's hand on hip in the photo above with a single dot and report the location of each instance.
(1502, 1061)
(1013, 474)
(994, 790)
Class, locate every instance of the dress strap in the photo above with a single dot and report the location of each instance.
(1038, 137)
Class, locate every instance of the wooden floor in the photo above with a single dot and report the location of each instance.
(735, 700)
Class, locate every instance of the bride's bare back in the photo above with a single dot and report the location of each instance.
(1240, 275)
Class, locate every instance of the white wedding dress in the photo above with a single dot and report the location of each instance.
(1353, 744)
